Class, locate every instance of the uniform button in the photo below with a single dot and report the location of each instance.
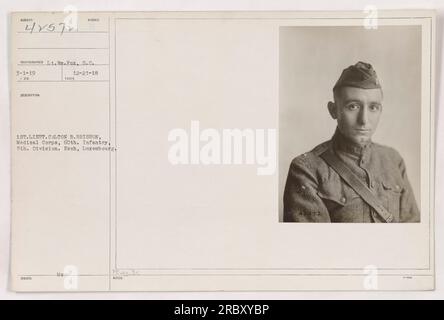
(303, 187)
(397, 187)
(343, 199)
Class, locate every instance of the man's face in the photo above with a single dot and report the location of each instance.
(357, 112)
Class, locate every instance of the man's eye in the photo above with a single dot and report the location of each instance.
(353, 106)
(374, 107)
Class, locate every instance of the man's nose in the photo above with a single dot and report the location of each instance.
(363, 116)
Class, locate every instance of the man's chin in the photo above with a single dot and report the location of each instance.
(361, 139)
(358, 137)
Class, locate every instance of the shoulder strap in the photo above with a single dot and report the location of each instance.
(356, 184)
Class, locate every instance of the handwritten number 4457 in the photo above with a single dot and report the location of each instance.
(49, 27)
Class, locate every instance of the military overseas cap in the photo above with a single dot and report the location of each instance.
(360, 75)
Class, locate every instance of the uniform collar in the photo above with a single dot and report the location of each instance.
(341, 143)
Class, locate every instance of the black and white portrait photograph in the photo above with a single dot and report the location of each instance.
(349, 121)
(223, 151)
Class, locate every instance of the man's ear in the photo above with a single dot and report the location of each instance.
(332, 109)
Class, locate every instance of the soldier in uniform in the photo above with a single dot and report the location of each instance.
(350, 178)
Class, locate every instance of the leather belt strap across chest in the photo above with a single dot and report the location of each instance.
(356, 184)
